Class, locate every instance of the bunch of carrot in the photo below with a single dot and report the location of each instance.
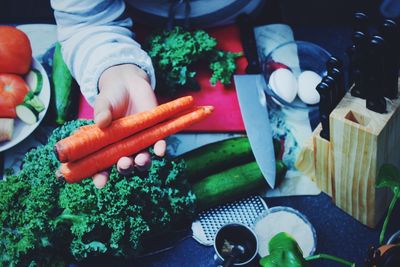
(92, 149)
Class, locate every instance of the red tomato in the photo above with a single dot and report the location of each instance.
(14, 86)
(15, 51)
(7, 106)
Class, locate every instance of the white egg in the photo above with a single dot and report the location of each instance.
(284, 84)
(308, 81)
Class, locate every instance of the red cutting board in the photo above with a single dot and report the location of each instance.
(226, 116)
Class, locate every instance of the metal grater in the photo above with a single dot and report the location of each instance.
(244, 211)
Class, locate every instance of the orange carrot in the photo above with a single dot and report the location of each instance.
(89, 139)
(104, 158)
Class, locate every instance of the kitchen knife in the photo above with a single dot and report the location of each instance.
(253, 106)
(357, 64)
(335, 76)
(389, 30)
(335, 69)
(375, 75)
(360, 22)
(325, 106)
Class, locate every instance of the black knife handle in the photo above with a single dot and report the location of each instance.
(246, 29)
(357, 64)
(325, 107)
(334, 67)
(360, 22)
(333, 90)
(375, 75)
(334, 63)
(390, 32)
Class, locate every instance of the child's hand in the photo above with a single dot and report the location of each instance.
(124, 90)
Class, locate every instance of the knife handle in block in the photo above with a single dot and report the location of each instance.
(375, 75)
(357, 54)
(325, 107)
(390, 31)
(360, 22)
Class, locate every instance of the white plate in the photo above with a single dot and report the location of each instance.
(21, 129)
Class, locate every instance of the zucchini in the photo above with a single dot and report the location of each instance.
(27, 113)
(221, 155)
(34, 80)
(216, 157)
(62, 86)
(232, 184)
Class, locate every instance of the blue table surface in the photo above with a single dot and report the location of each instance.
(337, 234)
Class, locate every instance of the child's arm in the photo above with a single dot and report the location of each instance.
(95, 35)
(115, 75)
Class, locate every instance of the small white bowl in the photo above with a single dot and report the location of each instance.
(284, 226)
(296, 56)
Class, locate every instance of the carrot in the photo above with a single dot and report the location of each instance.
(84, 128)
(92, 138)
(104, 158)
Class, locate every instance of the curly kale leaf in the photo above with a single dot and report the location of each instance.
(126, 209)
(175, 54)
(28, 206)
(47, 221)
(223, 67)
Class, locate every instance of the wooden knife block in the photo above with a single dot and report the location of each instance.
(346, 167)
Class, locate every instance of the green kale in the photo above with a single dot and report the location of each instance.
(175, 54)
(223, 67)
(46, 222)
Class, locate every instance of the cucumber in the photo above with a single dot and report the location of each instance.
(34, 101)
(232, 184)
(216, 157)
(219, 156)
(27, 113)
(34, 80)
(62, 86)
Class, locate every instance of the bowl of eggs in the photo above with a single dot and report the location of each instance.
(292, 72)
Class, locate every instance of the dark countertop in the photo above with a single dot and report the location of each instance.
(337, 234)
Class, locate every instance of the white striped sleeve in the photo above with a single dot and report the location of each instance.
(95, 35)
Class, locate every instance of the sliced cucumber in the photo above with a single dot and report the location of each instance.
(34, 79)
(34, 101)
(27, 113)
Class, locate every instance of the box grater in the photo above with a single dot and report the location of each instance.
(243, 211)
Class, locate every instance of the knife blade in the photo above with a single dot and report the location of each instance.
(253, 106)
